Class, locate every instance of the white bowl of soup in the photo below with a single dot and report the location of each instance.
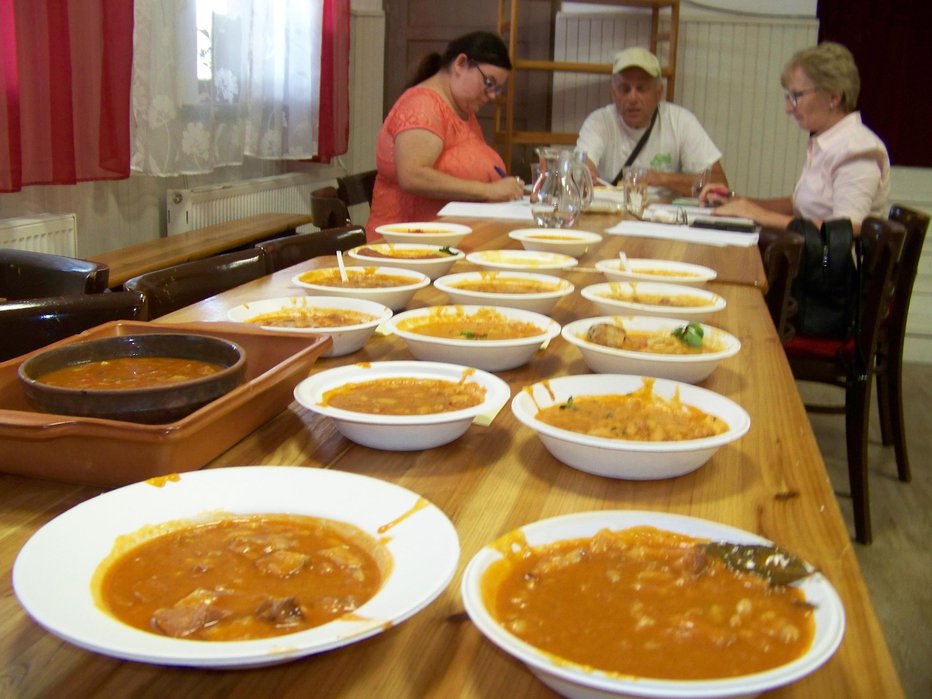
(627, 426)
(653, 299)
(56, 576)
(525, 290)
(561, 240)
(427, 232)
(432, 260)
(486, 337)
(348, 322)
(663, 271)
(527, 260)
(625, 638)
(386, 285)
(667, 348)
(403, 406)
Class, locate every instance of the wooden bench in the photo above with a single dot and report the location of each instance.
(126, 263)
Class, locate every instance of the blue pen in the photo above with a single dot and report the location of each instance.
(501, 173)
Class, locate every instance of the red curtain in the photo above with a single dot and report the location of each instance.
(333, 134)
(65, 72)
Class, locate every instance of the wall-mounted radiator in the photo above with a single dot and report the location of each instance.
(51, 233)
(204, 206)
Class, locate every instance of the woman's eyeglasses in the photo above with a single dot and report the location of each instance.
(490, 85)
(793, 96)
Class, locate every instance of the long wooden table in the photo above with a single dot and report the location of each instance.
(490, 481)
(126, 263)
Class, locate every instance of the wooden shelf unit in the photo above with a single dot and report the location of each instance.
(508, 12)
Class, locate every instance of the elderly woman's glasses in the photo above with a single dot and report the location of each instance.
(793, 96)
(490, 85)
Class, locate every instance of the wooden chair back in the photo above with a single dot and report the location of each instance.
(328, 210)
(781, 252)
(356, 189)
(25, 274)
(29, 324)
(286, 252)
(916, 225)
(169, 289)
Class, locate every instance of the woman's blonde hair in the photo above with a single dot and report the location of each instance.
(831, 69)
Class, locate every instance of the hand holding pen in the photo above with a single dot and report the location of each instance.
(507, 188)
(715, 194)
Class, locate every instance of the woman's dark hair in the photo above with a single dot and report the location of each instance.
(479, 47)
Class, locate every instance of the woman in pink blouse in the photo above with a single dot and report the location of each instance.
(847, 170)
(430, 149)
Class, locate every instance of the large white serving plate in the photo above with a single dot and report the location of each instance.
(401, 432)
(52, 573)
(346, 338)
(647, 270)
(528, 260)
(623, 458)
(428, 232)
(575, 681)
(690, 368)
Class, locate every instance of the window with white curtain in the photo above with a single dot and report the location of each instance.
(217, 80)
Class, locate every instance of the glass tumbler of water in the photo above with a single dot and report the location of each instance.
(636, 197)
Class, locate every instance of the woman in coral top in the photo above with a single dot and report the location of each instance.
(430, 149)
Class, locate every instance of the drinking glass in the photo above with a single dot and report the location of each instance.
(636, 196)
(700, 180)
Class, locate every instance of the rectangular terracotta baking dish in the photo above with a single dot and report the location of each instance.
(109, 453)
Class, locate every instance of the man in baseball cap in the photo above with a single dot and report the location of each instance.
(640, 129)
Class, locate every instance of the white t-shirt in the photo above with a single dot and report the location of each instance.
(846, 175)
(678, 143)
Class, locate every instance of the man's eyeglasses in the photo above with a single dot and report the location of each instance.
(490, 85)
(793, 96)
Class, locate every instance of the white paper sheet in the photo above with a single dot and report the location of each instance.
(666, 213)
(645, 229)
(514, 210)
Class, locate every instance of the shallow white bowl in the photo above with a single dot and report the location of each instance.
(395, 297)
(427, 232)
(542, 302)
(490, 355)
(608, 306)
(433, 267)
(674, 272)
(562, 240)
(52, 573)
(346, 338)
(401, 432)
(578, 682)
(620, 458)
(527, 260)
(690, 368)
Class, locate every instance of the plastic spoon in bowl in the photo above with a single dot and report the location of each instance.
(342, 267)
(625, 265)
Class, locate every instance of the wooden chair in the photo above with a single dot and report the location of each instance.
(286, 252)
(850, 364)
(781, 252)
(356, 189)
(892, 337)
(169, 289)
(29, 324)
(328, 210)
(25, 274)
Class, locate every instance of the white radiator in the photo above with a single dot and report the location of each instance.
(51, 233)
(727, 73)
(204, 206)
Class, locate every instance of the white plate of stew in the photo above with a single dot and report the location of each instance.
(54, 574)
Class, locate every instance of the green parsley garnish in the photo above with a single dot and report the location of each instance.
(690, 334)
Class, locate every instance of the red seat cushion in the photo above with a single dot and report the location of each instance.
(818, 347)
